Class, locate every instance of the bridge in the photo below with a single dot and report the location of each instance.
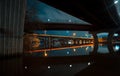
(102, 15)
(39, 42)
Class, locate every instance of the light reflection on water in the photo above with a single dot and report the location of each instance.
(103, 49)
(116, 47)
(86, 50)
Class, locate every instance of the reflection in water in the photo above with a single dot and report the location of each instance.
(70, 66)
(86, 48)
(49, 67)
(79, 51)
(46, 54)
(25, 67)
(116, 48)
(89, 63)
(68, 52)
(103, 49)
(74, 50)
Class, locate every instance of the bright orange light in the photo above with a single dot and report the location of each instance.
(45, 54)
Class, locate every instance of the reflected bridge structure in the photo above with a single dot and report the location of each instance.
(44, 41)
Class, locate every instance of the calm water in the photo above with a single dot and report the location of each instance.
(79, 51)
(73, 66)
(38, 65)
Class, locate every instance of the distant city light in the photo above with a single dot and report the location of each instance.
(74, 34)
(115, 34)
(69, 42)
(80, 42)
(84, 41)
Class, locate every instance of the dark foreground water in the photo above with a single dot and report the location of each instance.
(67, 62)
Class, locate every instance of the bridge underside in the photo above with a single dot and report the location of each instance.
(31, 26)
(57, 26)
(100, 13)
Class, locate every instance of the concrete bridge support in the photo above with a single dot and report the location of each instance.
(95, 48)
(109, 42)
(12, 14)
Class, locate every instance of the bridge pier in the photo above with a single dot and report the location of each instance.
(52, 41)
(109, 39)
(12, 13)
(95, 48)
(109, 42)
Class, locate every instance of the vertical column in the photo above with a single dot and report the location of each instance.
(82, 41)
(45, 42)
(95, 43)
(49, 41)
(74, 42)
(12, 14)
(53, 41)
(109, 42)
